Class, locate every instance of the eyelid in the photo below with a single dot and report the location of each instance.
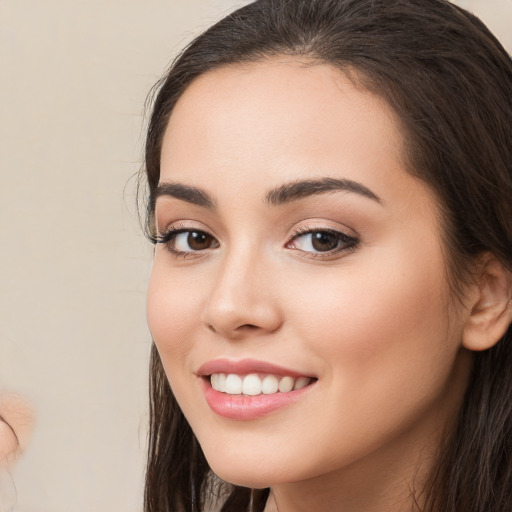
(321, 225)
(181, 225)
(350, 241)
(168, 239)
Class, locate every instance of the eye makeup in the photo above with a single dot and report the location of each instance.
(314, 242)
(321, 243)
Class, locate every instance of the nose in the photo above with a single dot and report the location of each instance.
(242, 301)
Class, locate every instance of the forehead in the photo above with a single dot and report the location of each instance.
(304, 89)
(241, 130)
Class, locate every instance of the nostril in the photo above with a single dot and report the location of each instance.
(241, 328)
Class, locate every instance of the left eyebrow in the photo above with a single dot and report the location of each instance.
(182, 192)
(301, 189)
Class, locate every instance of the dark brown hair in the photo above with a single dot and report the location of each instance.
(450, 83)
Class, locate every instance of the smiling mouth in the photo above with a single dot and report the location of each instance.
(254, 384)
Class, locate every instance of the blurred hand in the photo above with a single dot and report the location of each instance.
(16, 423)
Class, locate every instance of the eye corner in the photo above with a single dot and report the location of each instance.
(153, 238)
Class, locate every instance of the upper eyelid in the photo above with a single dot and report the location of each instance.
(298, 229)
(181, 225)
(180, 230)
(349, 244)
(342, 234)
(316, 229)
(168, 241)
(310, 226)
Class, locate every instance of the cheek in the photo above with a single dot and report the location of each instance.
(385, 347)
(172, 312)
(381, 323)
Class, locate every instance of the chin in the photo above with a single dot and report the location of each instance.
(252, 479)
(243, 470)
(257, 473)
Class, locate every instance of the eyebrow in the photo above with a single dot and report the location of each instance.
(186, 193)
(283, 194)
(301, 189)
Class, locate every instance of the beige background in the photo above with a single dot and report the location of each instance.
(73, 266)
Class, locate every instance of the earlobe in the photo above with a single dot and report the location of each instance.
(491, 307)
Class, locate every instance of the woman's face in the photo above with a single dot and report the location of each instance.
(296, 249)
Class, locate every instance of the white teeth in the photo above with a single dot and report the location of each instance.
(222, 382)
(233, 384)
(269, 385)
(286, 384)
(301, 382)
(214, 381)
(218, 381)
(252, 384)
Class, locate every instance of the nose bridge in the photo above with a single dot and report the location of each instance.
(241, 299)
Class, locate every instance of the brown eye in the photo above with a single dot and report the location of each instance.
(187, 241)
(199, 240)
(190, 241)
(323, 241)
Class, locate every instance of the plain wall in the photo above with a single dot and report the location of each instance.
(74, 75)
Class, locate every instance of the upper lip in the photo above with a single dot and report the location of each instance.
(246, 366)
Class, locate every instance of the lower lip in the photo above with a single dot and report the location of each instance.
(245, 407)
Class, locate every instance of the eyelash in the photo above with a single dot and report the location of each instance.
(168, 239)
(346, 243)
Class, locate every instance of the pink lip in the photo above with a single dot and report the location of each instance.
(244, 367)
(243, 407)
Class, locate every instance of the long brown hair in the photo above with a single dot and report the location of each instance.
(450, 82)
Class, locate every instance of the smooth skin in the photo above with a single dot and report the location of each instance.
(16, 423)
(373, 320)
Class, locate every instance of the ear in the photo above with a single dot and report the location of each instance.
(491, 305)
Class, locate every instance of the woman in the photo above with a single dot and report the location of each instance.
(330, 300)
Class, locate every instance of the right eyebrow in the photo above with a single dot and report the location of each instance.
(182, 192)
(300, 189)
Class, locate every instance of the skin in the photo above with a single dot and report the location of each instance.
(376, 323)
(16, 423)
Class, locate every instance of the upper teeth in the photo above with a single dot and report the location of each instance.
(253, 384)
